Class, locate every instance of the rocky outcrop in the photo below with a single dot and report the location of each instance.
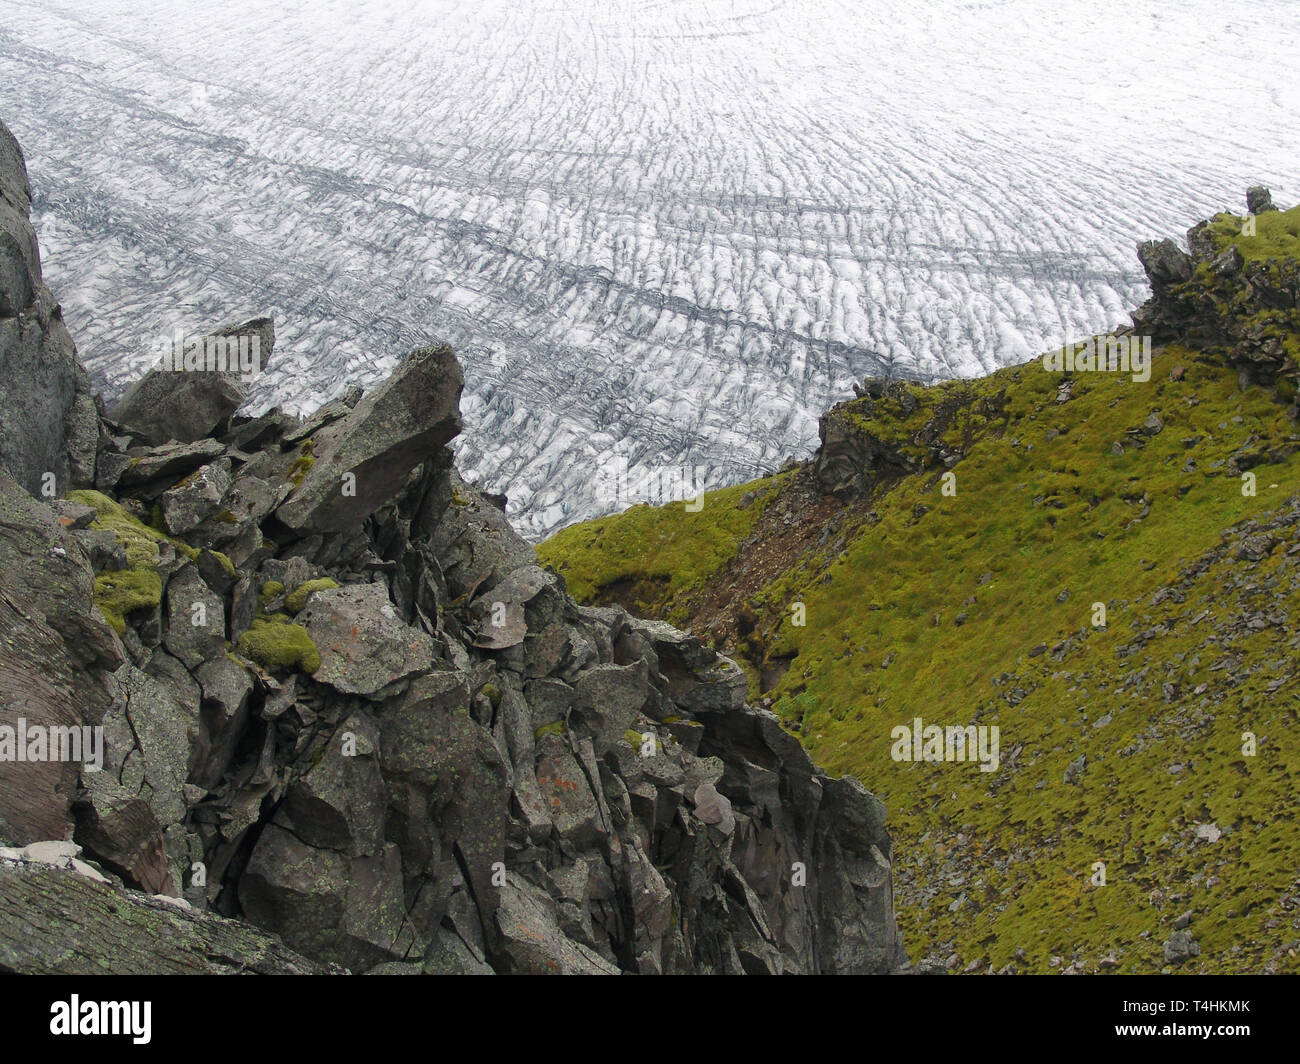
(371, 725)
(891, 429)
(48, 418)
(1259, 200)
(385, 734)
(1243, 309)
(358, 463)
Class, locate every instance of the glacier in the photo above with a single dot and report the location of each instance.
(662, 236)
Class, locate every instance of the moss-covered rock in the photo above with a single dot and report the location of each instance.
(268, 593)
(302, 464)
(297, 598)
(224, 562)
(1271, 235)
(118, 594)
(140, 540)
(275, 643)
(1235, 298)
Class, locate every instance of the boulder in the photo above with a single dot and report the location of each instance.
(363, 460)
(194, 401)
(363, 644)
(119, 829)
(1259, 200)
(339, 803)
(1164, 263)
(497, 617)
(227, 690)
(167, 462)
(472, 540)
(195, 619)
(532, 941)
(190, 503)
(148, 736)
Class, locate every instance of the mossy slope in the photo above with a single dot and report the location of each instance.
(977, 606)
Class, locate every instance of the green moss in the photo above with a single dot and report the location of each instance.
(274, 643)
(493, 694)
(302, 464)
(1277, 235)
(117, 594)
(297, 599)
(183, 548)
(270, 590)
(633, 738)
(139, 540)
(555, 727)
(660, 552)
(224, 562)
(226, 517)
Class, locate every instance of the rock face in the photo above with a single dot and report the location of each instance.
(48, 420)
(55, 653)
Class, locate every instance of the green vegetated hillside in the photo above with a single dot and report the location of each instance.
(952, 548)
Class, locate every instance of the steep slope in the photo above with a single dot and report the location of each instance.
(1102, 566)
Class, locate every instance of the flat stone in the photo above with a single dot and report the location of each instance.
(189, 405)
(169, 460)
(52, 852)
